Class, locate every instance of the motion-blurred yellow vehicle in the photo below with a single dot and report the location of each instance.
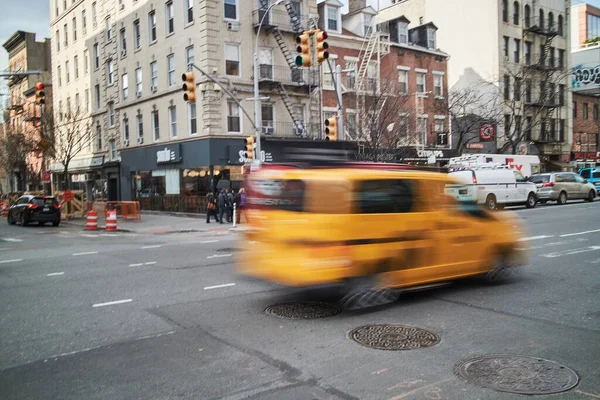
(372, 228)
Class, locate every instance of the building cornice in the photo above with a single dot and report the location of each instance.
(15, 40)
(400, 45)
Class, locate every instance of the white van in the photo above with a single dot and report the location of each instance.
(494, 187)
(527, 165)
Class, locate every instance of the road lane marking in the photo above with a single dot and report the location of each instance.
(5, 248)
(219, 255)
(56, 274)
(136, 265)
(112, 303)
(150, 263)
(152, 247)
(10, 261)
(85, 253)
(12, 240)
(208, 241)
(580, 233)
(596, 261)
(527, 239)
(571, 252)
(219, 286)
(554, 244)
(89, 235)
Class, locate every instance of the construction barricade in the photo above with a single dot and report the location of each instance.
(127, 210)
(92, 221)
(111, 220)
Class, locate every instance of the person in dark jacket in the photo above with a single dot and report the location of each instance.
(230, 200)
(222, 204)
(211, 207)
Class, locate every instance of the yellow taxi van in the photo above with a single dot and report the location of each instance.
(373, 228)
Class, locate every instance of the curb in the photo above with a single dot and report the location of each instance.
(100, 228)
(174, 214)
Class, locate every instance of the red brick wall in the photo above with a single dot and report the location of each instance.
(585, 131)
(389, 79)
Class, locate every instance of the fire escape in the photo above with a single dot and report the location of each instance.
(544, 65)
(300, 77)
(376, 46)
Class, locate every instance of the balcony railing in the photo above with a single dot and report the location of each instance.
(276, 18)
(538, 61)
(542, 27)
(290, 129)
(280, 74)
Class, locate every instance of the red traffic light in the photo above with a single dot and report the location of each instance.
(39, 86)
(321, 35)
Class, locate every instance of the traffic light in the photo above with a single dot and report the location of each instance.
(322, 46)
(331, 128)
(189, 86)
(250, 146)
(304, 59)
(40, 94)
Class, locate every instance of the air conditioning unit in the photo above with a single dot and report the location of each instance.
(126, 142)
(268, 130)
(154, 89)
(138, 94)
(233, 26)
(140, 140)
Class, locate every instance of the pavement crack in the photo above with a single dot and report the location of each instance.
(156, 312)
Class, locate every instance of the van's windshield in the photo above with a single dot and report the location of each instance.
(539, 178)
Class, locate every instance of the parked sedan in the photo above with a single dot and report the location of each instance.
(40, 209)
(562, 186)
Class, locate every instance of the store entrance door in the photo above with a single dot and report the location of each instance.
(112, 189)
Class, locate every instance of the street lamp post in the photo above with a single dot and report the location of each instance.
(256, 98)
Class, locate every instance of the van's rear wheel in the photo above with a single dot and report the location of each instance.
(562, 198)
(490, 202)
(591, 196)
(364, 292)
(531, 201)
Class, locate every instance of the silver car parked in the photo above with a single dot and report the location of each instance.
(562, 186)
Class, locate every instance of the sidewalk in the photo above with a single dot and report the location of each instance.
(160, 223)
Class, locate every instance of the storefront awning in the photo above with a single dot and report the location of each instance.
(80, 164)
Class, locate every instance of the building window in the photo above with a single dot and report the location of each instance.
(506, 87)
(137, 42)
(97, 95)
(96, 56)
(110, 71)
(154, 75)
(351, 121)
(421, 87)
(94, 15)
(561, 58)
(403, 32)
(552, 58)
(561, 130)
(155, 125)
(528, 53)
(232, 59)
(327, 77)
(83, 22)
(505, 10)
(230, 9)
(517, 50)
(561, 29)
(528, 127)
(189, 8)
(98, 137)
(267, 118)
(516, 13)
(172, 122)
(233, 117)
(403, 82)
(125, 86)
(440, 133)
(152, 26)
(550, 21)
(431, 38)
(67, 74)
(368, 24)
(76, 66)
(111, 114)
(585, 110)
(561, 95)
(113, 149)
(138, 81)
(66, 35)
(57, 40)
(574, 109)
(126, 130)
(87, 100)
(422, 131)
(541, 19)
(123, 41)
(108, 30)
(438, 88)
(542, 92)
(77, 103)
(332, 18)
(595, 111)
(86, 63)
(170, 20)
(140, 128)
(527, 16)
(189, 57)
(506, 46)
(171, 70)
(517, 89)
(74, 29)
(58, 75)
(193, 120)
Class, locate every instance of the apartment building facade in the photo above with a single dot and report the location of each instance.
(395, 96)
(585, 25)
(25, 53)
(516, 53)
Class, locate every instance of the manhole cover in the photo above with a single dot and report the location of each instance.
(517, 374)
(393, 337)
(303, 310)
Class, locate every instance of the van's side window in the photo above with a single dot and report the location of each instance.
(519, 177)
(585, 173)
(384, 196)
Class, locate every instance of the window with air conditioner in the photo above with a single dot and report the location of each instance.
(267, 118)
(154, 76)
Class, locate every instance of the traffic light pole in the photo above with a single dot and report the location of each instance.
(337, 83)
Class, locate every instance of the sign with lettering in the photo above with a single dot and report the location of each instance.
(583, 155)
(487, 132)
(585, 76)
(474, 145)
(168, 154)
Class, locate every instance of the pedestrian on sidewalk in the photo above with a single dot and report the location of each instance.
(230, 200)
(240, 200)
(222, 204)
(211, 207)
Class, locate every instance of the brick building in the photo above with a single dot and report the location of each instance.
(586, 128)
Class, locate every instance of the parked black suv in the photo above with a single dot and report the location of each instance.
(38, 209)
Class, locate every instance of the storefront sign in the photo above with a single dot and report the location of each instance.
(168, 154)
(430, 153)
(474, 145)
(487, 132)
(585, 76)
(582, 155)
(46, 176)
(78, 178)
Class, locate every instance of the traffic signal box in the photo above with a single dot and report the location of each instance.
(250, 146)
(40, 93)
(331, 128)
(322, 46)
(304, 59)
(189, 87)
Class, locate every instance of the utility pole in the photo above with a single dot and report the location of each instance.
(337, 83)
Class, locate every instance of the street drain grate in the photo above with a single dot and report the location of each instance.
(517, 374)
(303, 310)
(393, 337)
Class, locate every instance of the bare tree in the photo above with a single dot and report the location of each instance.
(14, 148)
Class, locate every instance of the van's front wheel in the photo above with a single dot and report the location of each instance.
(531, 201)
(490, 202)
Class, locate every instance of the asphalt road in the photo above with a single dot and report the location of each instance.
(165, 316)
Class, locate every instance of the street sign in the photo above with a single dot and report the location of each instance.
(68, 195)
(43, 145)
(46, 176)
